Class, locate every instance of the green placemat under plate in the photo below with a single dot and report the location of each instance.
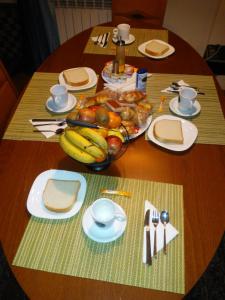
(62, 247)
(210, 121)
(32, 105)
(141, 36)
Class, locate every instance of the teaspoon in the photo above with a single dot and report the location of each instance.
(57, 131)
(164, 217)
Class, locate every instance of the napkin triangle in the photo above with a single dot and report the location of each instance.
(171, 232)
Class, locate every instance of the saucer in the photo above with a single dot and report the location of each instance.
(103, 234)
(193, 112)
(72, 101)
(127, 42)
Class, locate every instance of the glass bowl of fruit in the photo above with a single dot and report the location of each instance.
(96, 147)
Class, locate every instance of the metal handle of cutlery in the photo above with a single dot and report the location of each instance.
(164, 241)
(155, 243)
(106, 40)
(148, 247)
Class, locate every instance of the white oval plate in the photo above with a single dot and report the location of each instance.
(35, 203)
(171, 50)
(92, 81)
(190, 133)
(101, 234)
(141, 129)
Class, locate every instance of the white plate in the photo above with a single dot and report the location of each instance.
(121, 79)
(175, 109)
(35, 203)
(103, 234)
(92, 81)
(190, 133)
(141, 129)
(171, 50)
(128, 42)
(72, 101)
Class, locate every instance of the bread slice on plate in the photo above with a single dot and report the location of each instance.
(60, 195)
(168, 131)
(76, 77)
(156, 48)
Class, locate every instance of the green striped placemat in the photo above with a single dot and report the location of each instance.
(61, 246)
(210, 122)
(141, 36)
(32, 105)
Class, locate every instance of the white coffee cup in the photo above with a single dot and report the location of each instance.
(59, 95)
(187, 97)
(122, 31)
(104, 212)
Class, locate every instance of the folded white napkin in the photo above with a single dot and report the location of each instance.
(101, 38)
(127, 85)
(53, 127)
(171, 232)
(170, 89)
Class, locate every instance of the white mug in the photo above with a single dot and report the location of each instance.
(59, 95)
(104, 212)
(122, 31)
(187, 97)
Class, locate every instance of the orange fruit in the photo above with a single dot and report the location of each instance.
(114, 120)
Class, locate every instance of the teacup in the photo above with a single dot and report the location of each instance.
(59, 95)
(187, 97)
(104, 212)
(122, 32)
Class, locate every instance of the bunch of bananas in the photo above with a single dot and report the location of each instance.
(84, 144)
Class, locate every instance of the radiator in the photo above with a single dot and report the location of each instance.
(72, 21)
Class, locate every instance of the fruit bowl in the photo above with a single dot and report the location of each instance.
(96, 148)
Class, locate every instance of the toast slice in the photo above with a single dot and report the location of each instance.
(168, 131)
(76, 77)
(156, 48)
(60, 195)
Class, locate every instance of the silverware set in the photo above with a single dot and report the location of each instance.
(102, 39)
(176, 86)
(157, 217)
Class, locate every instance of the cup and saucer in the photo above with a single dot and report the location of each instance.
(186, 104)
(104, 221)
(60, 100)
(122, 31)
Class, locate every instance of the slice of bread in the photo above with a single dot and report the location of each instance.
(168, 131)
(76, 77)
(60, 195)
(156, 48)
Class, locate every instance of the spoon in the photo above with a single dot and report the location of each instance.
(164, 217)
(57, 131)
(175, 84)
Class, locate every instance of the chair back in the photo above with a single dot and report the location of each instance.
(8, 98)
(150, 12)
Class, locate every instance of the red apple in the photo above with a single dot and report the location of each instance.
(114, 144)
(87, 115)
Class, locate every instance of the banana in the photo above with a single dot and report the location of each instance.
(93, 136)
(83, 143)
(116, 132)
(74, 151)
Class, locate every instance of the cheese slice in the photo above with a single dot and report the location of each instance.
(60, 195)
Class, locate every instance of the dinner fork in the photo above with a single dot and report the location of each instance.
(155, 222)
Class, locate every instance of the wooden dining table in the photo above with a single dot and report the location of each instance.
(200, 170)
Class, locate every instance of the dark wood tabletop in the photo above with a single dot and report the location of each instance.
(200, 170)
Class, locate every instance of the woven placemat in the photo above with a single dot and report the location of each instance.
(62, 247)
(141, 36)
(210, 122)
(32, 105)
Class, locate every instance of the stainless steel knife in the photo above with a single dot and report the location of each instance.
(106, 40)
(148, 237)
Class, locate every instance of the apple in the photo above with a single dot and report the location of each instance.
(114, 144)
(87, 115)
